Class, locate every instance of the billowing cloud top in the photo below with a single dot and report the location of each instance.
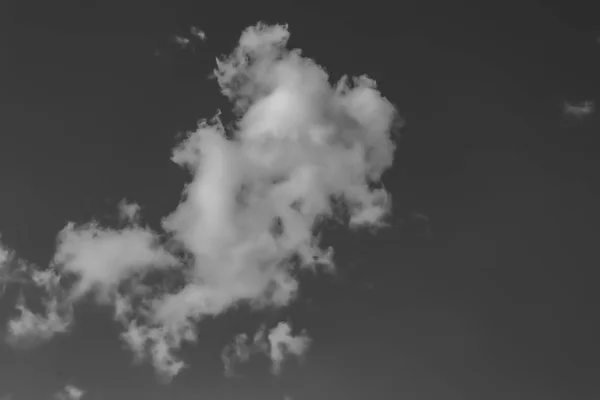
(248, 220)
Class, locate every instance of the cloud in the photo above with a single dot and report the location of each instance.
(52, 315)
(301, 152)
(157, 345)
(188, 43)
(4, 256)
(69, 392)
(5, 259)
(181, 41)
(235, 353)
(31, 328)
(129, 212)
(11, 268)
(241, 349)
(278, 345)
(17, 272)
(284, 344)
(102, 258)
(198, 33)
(580, 110)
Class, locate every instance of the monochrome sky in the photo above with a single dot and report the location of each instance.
(286, 201)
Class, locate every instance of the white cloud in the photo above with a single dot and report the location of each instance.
(283, 344)
(69, 392)
(249, 219)
(181, 41)
(241, 349)
(279, 345)
(158, 345)
(5, 258)
(197, 33)
(188, 43)
(129, 212)
(102, 258)
(31, 328)
(15, 271)
(580, 110)
(236, 352)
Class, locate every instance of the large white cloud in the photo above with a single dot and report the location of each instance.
(248, 222)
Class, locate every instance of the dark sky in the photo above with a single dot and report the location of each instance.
(500, 302)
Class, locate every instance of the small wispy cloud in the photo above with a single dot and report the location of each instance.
(198, 33)
(129, 212)
(31, 328)
(278, 345)
(283, 344)
(580, 110)
(4, 255)
(5, 258)
(190, 41)
(53, 315)
(69, 392)
(181, 41)
(12, 269)
(241, 349)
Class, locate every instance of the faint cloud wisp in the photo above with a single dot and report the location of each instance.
(580, 110)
